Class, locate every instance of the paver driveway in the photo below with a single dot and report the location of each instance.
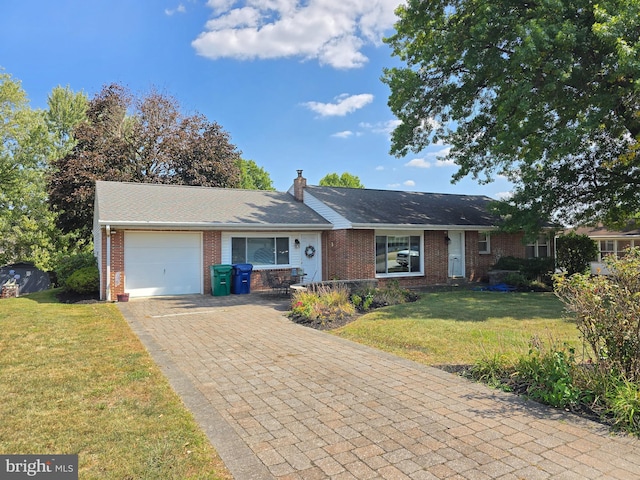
(279, 400)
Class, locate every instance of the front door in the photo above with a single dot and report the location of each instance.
(311, 257)
(456, 254)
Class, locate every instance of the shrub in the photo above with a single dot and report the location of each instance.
(325, 303)
(391, 294)
(83, 281)
(533, 269)
(624, 406)
(68, 264)
(607, 312)
(493, 370)
(574, 252)
(548, 376)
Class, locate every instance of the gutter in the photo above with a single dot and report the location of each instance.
(108, 230)
(217, 226)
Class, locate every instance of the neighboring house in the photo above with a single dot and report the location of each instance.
(610, 242)
(154, 239)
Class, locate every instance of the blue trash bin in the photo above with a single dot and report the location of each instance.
(241, 282)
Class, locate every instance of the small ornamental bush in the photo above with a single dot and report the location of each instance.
(606, 309)
(326, 303)
(83, 281)
(68, 264)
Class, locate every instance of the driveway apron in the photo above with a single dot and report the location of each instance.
(279, 400)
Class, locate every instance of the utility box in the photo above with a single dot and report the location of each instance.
(241, 278)
(221, 279)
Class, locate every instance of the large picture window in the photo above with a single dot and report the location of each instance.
(260, 250)
(398, 254)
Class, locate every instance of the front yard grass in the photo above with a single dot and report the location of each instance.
(75, 379)
(462, 327)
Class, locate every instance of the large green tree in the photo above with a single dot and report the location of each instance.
(346, 179)
(253, 177)
(546, 93)
(27, 229)
(144, 139)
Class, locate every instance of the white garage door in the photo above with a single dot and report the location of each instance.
(162, 263)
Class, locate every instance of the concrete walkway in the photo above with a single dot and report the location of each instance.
(278, 400)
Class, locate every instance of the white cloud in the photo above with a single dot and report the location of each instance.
(503, 195)
(439, 162)
(343, 134)
(445, 163)
(379, 168)
(393, 185)
(179, 9)
(418, 163)
(409, 183)
(384, 128)
(330, 31)
(344, 104)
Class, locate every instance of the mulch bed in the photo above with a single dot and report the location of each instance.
(72, 297)
(324, 324)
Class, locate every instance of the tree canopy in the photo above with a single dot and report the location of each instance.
(143, 139)
(253, 177)
(544, 93)
(345, 180)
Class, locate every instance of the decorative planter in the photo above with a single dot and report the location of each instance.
(123, 297)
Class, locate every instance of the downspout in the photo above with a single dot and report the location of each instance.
(108, 230)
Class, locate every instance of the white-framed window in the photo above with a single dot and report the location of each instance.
(539, 248)
(484, 242)
(260, 251)
(615, 247)
(398, 253)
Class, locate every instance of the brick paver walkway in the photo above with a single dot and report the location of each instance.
(279, 400)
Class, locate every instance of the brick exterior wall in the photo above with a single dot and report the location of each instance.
(350, 255)
(501, 245)
(211, 255)
(117, 263)
(347, 255)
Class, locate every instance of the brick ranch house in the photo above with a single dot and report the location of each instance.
(154, 239)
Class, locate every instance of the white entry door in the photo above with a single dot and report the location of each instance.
(456, 255)
(312, 265)
(162, 263)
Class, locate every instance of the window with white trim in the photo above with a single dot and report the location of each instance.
(260, 250)
(398, 254)
(484, 242)
(539, 248)
(615, 247)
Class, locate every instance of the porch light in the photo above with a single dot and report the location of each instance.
(297, 243)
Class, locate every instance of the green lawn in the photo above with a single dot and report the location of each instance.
(75, 379)
(464, 326)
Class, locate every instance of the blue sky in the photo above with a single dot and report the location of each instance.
(296, 83)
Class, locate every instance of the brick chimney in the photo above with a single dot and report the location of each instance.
(298, 186)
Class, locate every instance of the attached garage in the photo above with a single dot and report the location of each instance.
(163, 263)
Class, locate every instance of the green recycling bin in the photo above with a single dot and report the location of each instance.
(221, 279)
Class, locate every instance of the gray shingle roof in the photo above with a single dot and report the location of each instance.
(147, 204)
(386, 207)
(603, 232)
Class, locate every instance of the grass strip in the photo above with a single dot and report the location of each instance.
(74, 378)
(464, 326)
